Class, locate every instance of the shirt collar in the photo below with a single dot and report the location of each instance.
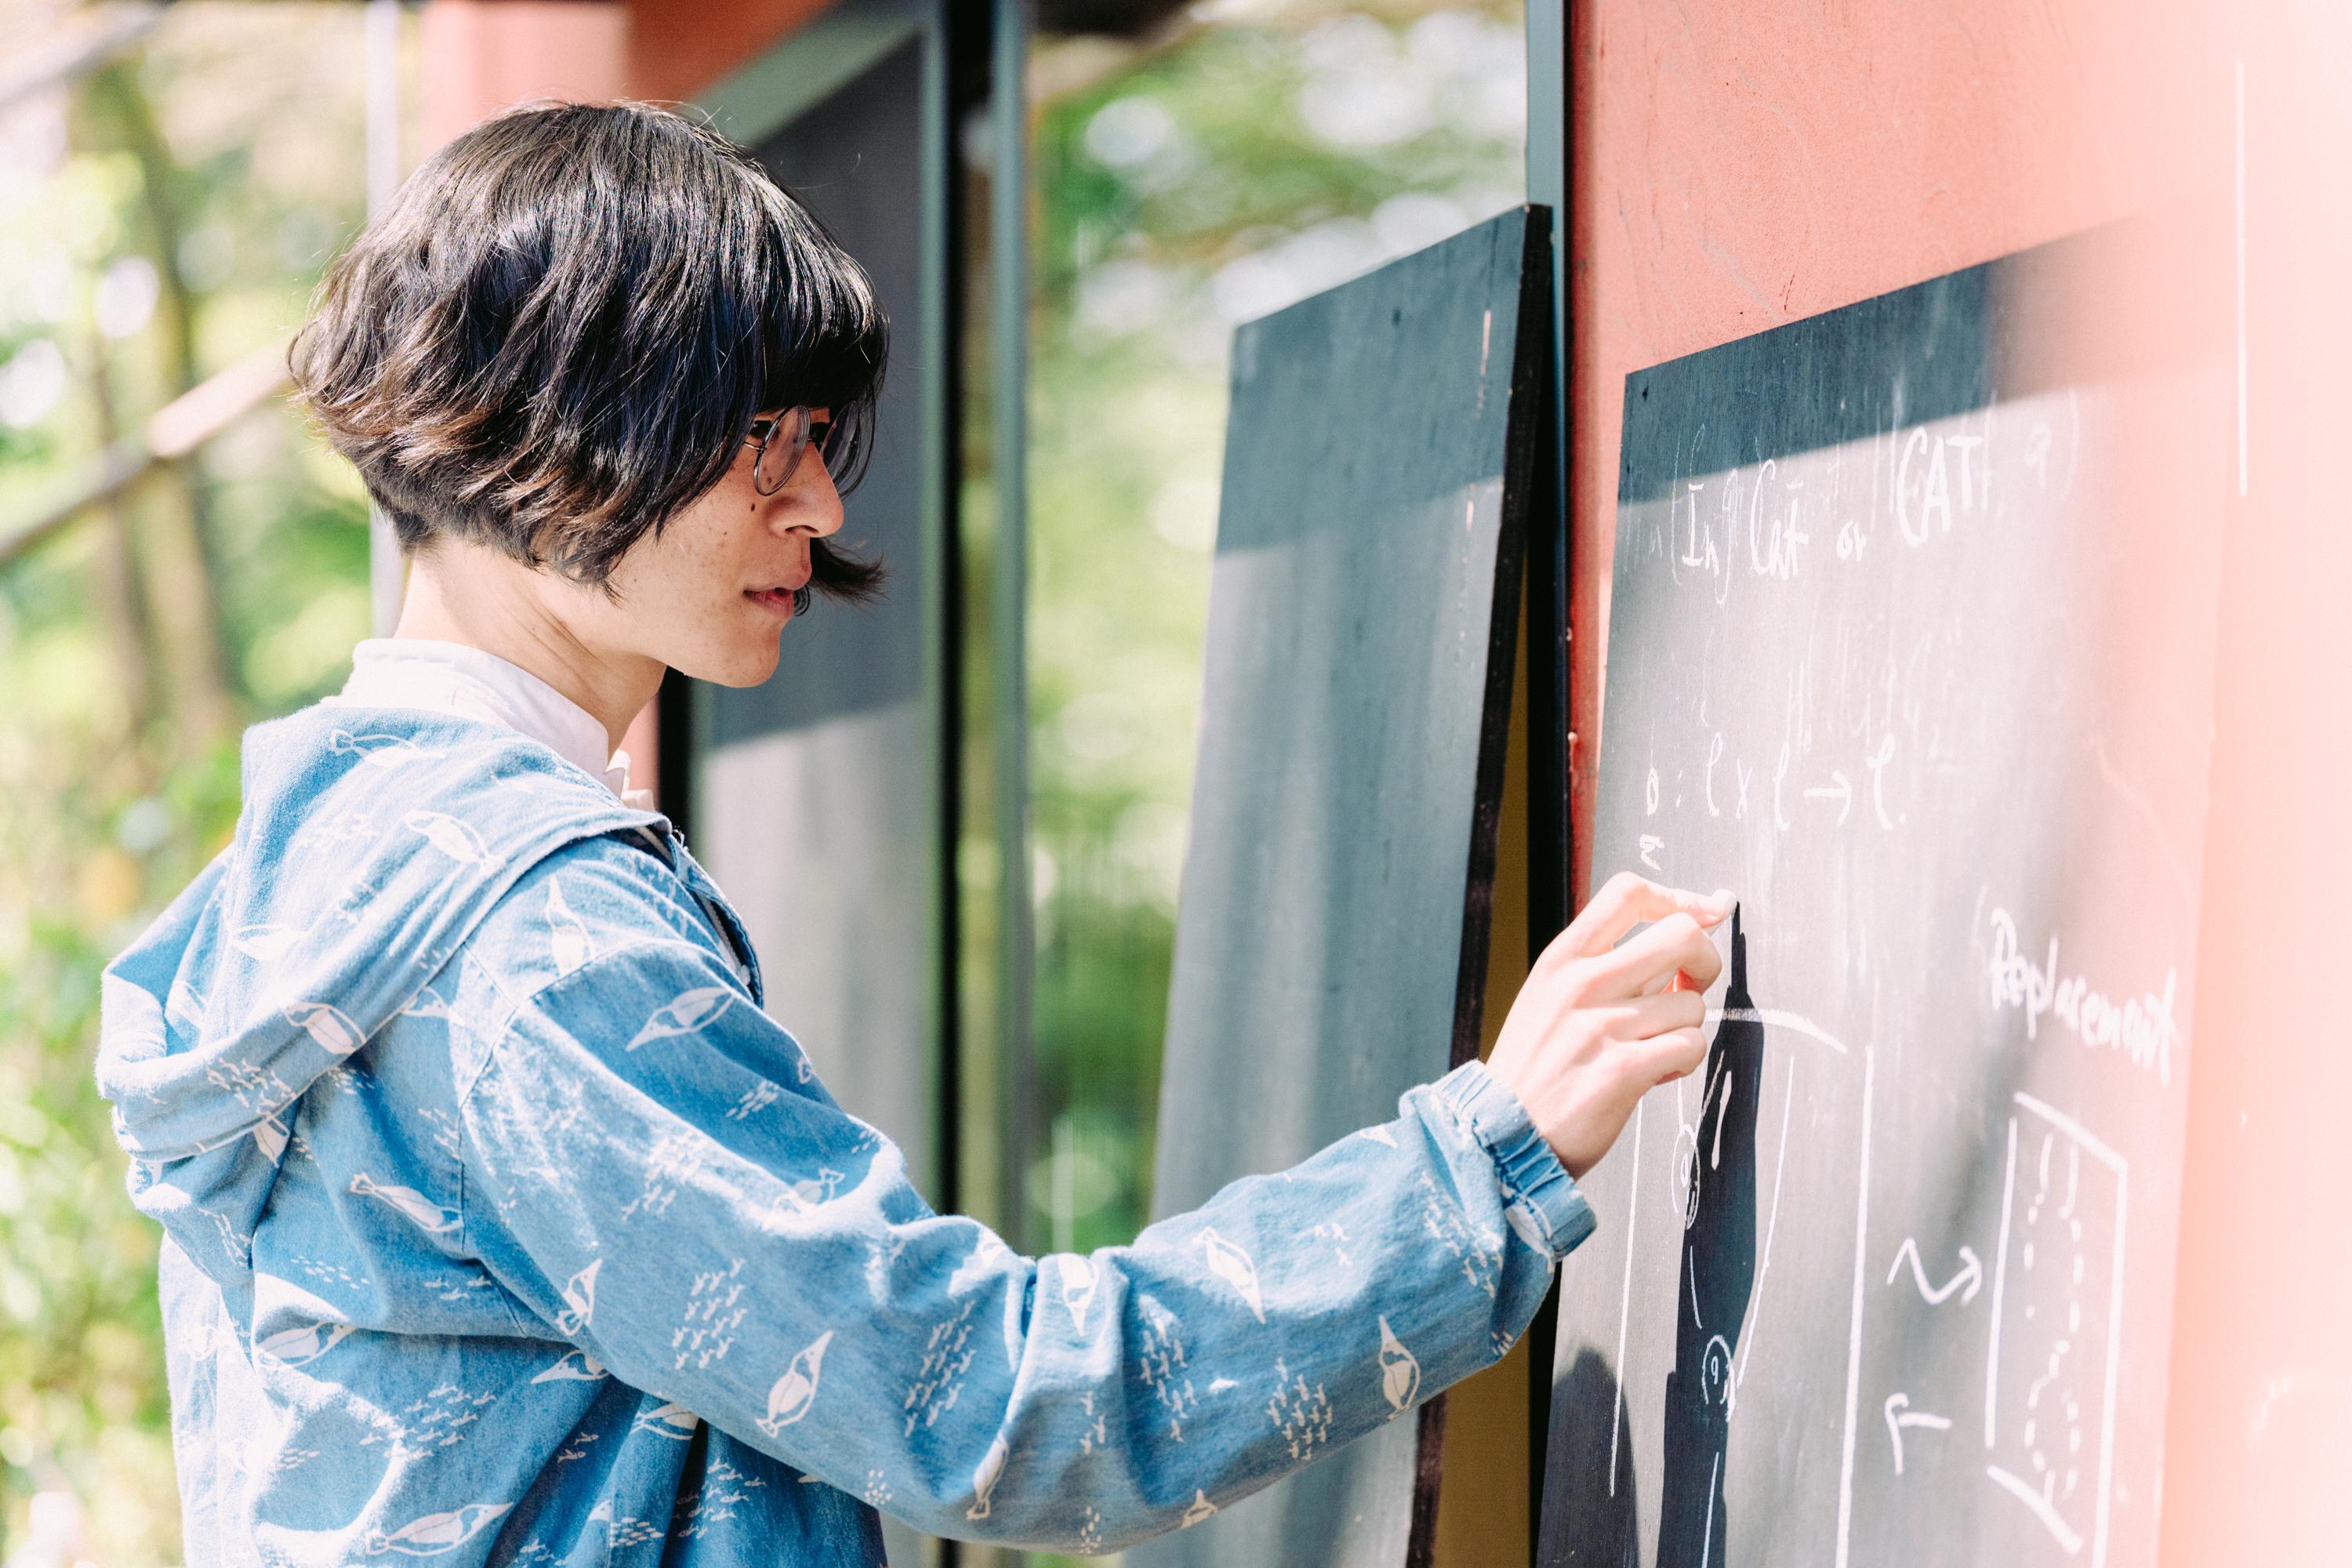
(457, 677)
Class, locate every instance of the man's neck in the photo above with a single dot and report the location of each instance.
(467, 594)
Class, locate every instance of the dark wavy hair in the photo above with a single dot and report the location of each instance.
(559, 333)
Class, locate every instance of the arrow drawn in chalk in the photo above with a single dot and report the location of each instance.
(1898, 1417)
(1842, 794)
(1971, 1273)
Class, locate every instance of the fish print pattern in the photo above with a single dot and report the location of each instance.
(428, 1214)
(1236, 1268)
(948, 1355)
(1399, 1373)
(579, 1299)
(573, 1366)
(1078, 1282)
(793, 1393)
(807, 1194)
(756, 1099)
(683, 1013)
(568, 943)
(1526, 1225)
(435, 1534)
(263, 941)
(1302, 1413)
(1161, 1366)
(326, 1024)
(300, 1346)
(429, 1004)
(380, 751)
(460, 841)
(983, 1479)
(669, 1421)
(269, 1135)
(516, 1109)
(714, 1310)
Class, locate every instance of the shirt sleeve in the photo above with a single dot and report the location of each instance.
(641, 1129)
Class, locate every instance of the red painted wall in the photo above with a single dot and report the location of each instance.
(677, 47)
(478, 59)
(479, 56)
(2260, 1439)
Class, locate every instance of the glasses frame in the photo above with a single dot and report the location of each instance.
(800, 432)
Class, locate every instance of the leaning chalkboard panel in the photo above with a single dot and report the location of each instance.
(1330, 947)
(1898, 651)
(817, 793)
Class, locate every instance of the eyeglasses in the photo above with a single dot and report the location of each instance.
(781, 442)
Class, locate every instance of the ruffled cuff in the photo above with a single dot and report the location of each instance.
(1531, 1175)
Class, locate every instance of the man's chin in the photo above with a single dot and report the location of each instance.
(737, 672)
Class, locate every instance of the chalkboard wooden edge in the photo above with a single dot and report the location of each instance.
(1428, 1471)
(1551, 897)
(1522, 430)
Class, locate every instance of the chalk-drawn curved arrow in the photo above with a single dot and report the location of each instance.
(1898, 1417)
(1971, 1275)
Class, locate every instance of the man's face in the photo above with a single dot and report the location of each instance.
(692, 596)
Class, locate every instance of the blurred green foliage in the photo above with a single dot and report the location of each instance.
(159, 218)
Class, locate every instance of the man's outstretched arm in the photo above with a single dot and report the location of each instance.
(639, 1132)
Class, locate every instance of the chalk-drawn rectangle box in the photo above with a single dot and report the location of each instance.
(2054, 1356)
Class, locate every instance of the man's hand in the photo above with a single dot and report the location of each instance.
(1598, 1025)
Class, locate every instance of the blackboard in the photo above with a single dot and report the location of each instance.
(1894, 654)
(816, 794)
(1331, 932)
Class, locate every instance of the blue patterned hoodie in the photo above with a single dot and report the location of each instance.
(503, 1224)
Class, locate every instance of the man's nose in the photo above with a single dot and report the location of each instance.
(813, 502)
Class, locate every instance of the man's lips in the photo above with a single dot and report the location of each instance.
(778, 597)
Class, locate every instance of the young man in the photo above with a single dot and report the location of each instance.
(501, 1221)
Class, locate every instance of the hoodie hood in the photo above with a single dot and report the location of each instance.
(265, 975)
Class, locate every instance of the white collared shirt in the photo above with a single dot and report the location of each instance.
(457, 677)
